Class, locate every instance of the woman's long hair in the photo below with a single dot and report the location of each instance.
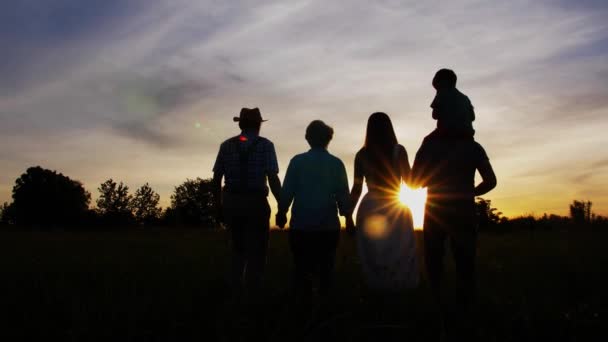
(380, 137)
(380, 140)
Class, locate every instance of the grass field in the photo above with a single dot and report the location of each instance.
(166, 285)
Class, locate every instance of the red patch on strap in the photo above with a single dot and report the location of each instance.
(243, 138)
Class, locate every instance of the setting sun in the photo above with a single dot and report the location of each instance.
(415, 199)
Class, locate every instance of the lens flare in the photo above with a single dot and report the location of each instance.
(375, 226)
(415, 199)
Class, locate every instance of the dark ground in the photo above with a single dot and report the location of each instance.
(167, 285)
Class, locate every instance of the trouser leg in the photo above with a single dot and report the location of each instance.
(327, 260)
(248, 219)
(464, 249)
(434, 250)
(238, 258)
(463, 245)
(302, 263)
(256, 244)
(256, 258)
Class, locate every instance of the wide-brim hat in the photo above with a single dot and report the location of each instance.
(250, 115)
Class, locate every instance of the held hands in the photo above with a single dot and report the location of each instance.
(281, 220)
(350, 225)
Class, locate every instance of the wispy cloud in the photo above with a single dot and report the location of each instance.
(160, 77)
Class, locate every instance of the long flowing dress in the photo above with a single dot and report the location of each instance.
(385, 234)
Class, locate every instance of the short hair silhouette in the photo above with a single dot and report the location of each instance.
(318, 134)
(444, 78)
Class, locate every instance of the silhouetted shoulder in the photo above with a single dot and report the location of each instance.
(335, 159)
(265, 141)
(360, 156)
(480, 151)
(298, 157)
(401, 149)
(462, 150)
(230, 141)
(456, 149)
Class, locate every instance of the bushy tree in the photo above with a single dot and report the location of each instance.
(114, 203)
(192, 204)
(7, 214)
(46, 198)
(580, 211)
(145, 205)
(486, 214)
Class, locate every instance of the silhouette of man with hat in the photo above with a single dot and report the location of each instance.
(248, 164)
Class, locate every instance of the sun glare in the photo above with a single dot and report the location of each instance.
(415, 199)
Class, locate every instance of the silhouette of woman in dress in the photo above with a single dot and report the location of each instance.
(385, 234)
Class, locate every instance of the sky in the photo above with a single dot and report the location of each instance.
(145, 90)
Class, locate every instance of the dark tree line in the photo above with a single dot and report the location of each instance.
(47, 199)
(581, 216)
(580, 212)
(487, 215)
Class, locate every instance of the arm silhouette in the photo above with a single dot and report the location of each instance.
(355, 192)
(275, 185)
(418, 174)
(488, 178)
(404, 166)
(273, 173)
(286, 196)
(342, 193)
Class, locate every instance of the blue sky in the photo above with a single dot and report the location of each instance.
(100, 89)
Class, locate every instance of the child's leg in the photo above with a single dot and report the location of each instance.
(456, 134)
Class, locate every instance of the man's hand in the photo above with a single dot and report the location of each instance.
(350, 226)
(281, 220)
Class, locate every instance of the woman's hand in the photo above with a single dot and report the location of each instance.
(281, 220)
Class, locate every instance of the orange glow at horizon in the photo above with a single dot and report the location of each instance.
(415, 199)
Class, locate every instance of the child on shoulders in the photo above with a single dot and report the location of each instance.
(451, 108)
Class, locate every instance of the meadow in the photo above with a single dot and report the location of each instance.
(168, 284)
